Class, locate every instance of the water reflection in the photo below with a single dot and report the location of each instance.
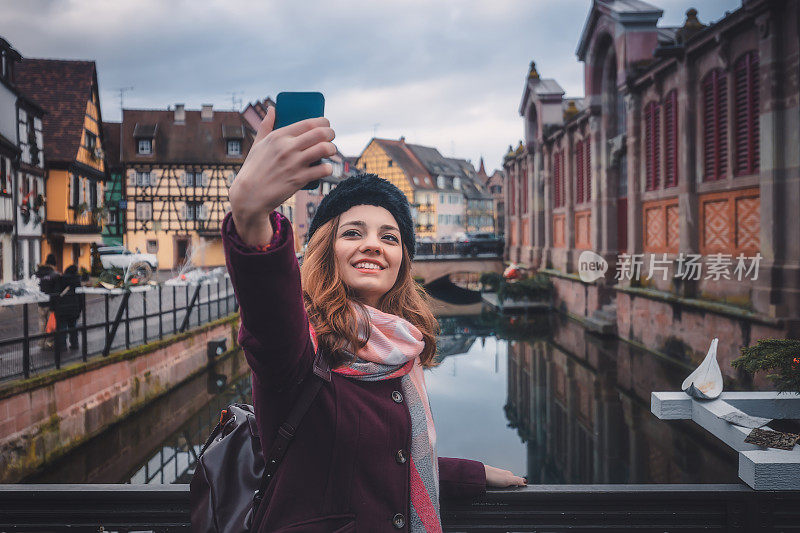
(536, 395)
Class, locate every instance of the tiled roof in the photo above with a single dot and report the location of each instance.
(192, 141)
(62, 88)
(111, 140)
(399, 152)
(434, 161)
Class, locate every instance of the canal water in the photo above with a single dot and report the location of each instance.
(535, 394)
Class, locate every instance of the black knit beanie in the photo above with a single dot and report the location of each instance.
(367, 189)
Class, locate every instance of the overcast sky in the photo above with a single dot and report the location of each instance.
(448, 74)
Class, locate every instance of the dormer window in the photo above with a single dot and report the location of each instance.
(233, 134)
(456, 183)
(440, 182)
(144, 135)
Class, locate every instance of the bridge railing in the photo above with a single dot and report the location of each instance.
(651, 508)
(450, 249)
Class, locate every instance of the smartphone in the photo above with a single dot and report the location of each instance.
(291, 107)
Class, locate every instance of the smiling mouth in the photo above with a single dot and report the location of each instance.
(368, 266)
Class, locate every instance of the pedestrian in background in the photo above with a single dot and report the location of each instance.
(68, 306)
(48, 278)
(365, 457)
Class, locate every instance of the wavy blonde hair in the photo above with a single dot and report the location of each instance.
(337, 316)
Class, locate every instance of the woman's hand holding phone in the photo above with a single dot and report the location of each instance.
(276, 167)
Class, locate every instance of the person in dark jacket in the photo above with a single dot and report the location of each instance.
(48, 279)
(364, 458)
(68, 306)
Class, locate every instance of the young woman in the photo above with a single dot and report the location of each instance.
(364, 457)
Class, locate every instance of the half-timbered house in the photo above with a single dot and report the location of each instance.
(9, 152)
(178, 165)
(114, 223)
(76, 171)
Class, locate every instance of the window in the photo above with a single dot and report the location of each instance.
(587, 159)
(558, 179)
(152, 246)
(3, 178)
(193, 178)
(235, 147)
(75, 188)
(390, 163)
(715, 125)
(671, 139)
(579, 172)
(456, 183)
(195, 211)
(144, 210)
(145, 146)
(91, 141)
(144, 179)
(746, 114)
(652, 148)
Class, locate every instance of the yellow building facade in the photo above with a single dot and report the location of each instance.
(177, 168)
(394, 162)
(74, 155)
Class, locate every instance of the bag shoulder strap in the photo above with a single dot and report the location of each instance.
(288, 429)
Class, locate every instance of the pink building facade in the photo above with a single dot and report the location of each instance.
(685, 145)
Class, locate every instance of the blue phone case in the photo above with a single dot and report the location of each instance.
(291, 107)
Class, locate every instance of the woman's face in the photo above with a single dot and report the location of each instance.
(368, 251)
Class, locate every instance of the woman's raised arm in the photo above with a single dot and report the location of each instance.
(259, 246)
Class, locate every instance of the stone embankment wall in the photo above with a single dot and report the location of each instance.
(677, 327)
(44, 417)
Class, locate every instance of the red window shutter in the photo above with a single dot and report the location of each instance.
(587, 145)
(513, 203)
(652, 141)
(746, 114)
(561, 178)
(715, 125)
(671, 139)
(557, 180)
(524, 189)
(709, 155)
(579, 172)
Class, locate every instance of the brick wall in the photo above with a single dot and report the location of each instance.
(42, 418)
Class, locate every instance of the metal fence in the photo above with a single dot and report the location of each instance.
(110, 321)
(451, 249)
(551, 508)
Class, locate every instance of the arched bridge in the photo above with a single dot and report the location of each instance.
(431, 268)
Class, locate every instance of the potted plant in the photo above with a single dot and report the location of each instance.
(780, 357)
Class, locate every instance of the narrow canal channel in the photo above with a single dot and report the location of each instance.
(537, 395)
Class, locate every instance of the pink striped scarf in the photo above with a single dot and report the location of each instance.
(393, 351)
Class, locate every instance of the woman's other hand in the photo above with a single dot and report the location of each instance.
(496, 477)
(275, 168)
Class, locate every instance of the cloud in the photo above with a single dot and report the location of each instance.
(448, 74)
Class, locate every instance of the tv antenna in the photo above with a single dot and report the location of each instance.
(375, 129)
(236, 101)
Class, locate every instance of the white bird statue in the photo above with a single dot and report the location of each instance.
(705, 383)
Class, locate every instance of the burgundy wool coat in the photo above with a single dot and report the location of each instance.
(347, 468)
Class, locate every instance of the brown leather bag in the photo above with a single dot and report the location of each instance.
(230, 478)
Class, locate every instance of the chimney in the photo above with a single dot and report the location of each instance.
(180, 113)
(207, 112)
(402, 138)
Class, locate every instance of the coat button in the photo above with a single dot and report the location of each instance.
(399, 521)
(397, 397)
(400, 457)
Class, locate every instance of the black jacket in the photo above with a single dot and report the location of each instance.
(67, 303)
(48, 280)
